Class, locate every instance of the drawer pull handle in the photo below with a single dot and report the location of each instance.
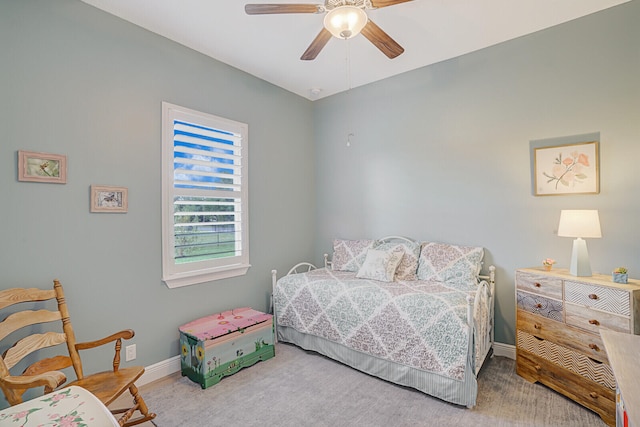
(537, 285)
(594, 347)
(537, 326)
(594, 322)
(593, 296)
(538, 305)
(593, 394)
(597, 362)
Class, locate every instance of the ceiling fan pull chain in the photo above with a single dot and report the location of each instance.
(350, 133)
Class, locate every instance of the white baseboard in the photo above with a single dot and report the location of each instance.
(504, 350)
(160, 370)
(172, 365)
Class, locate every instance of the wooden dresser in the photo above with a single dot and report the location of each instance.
(557, 333)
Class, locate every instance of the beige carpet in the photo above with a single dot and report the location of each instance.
(299, 388)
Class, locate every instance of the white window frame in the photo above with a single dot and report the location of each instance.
(175, 274)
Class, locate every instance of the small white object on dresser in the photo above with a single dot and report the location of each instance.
(558, 343)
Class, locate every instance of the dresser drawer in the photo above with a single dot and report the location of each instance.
(539, 305)
(539, 284)
(606, 299)
(592, 320)
(568, 359)
(588, 393)
(573, 338)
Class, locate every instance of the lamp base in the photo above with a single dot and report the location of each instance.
(580, 265)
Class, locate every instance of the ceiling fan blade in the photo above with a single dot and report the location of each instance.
(265, 9)
(316, 45)
(381, 40)
(385, 3)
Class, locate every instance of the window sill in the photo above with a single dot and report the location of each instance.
(202, 276)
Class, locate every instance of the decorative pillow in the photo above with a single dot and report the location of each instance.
(348, 255)
(408, 267)
(449, 263)
(380, 265)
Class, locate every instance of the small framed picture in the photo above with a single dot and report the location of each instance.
(109, 199)
(42, 167)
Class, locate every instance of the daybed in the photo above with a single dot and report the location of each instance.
(416, 314)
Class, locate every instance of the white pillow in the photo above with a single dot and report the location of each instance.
(408, 267)
(380, 265)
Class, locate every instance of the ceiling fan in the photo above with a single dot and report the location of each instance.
(344, 19)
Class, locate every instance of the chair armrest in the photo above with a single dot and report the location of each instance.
(50, 380)
(117, 337)
(126, 334)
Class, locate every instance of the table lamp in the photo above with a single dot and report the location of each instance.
(579, 224)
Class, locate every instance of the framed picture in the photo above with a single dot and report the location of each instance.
(42, 167)
(566, 169)
(109, 199)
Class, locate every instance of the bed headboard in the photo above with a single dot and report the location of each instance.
(388, 239)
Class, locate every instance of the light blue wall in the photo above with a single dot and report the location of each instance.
(442, 153)
(80, 82)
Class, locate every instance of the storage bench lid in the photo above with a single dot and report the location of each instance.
(217, 325)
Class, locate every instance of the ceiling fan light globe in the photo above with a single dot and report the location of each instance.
(345, 22)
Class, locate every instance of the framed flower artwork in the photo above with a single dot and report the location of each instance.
(42, 167)
(566, 169)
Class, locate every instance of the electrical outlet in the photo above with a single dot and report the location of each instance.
(130, 352)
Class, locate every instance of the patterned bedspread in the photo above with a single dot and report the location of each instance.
(422, 324)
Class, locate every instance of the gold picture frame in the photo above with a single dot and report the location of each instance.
(42, 167)
(566, 169)
(109, 199)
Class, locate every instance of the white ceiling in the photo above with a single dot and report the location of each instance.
(269, 46)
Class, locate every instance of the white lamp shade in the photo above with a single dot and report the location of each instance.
(579, 223)
(345, 22)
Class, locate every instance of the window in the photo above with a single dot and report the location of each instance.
(204, 197)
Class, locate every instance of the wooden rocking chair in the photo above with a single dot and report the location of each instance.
(106, 386)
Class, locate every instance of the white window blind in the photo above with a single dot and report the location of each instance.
(205, 234)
